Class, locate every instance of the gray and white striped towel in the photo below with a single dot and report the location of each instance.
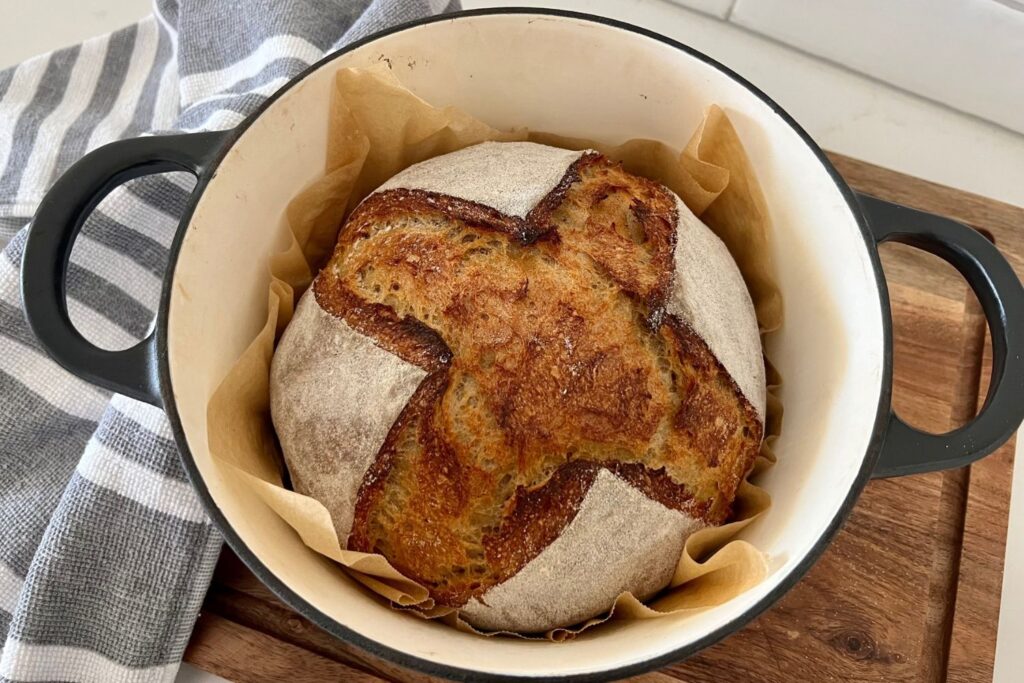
(106, 553)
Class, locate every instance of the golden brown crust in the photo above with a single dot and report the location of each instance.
(404, 336)
(625, 223)
(550, 357)
(726, 433)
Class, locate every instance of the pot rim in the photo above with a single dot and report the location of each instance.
(384, 651)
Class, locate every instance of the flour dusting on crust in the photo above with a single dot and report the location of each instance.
(620, 540)
(511, 177)
(334, 395)
(709, 293)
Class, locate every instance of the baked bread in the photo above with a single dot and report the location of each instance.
(524, 377)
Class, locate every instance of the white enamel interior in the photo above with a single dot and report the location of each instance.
(578, 78)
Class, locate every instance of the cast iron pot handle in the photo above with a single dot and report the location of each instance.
(60, 216)
(908, 450)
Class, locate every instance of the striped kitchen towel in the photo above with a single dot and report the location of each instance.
(105, 551)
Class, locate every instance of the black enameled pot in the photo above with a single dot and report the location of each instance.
(575, 75)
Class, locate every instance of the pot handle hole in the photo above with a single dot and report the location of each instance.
(907, 450)
(133, 371)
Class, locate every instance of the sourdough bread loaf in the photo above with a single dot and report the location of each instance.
(525, 377)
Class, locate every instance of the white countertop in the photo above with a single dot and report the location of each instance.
(844, 111)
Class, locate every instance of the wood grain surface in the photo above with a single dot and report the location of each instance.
(908, 591)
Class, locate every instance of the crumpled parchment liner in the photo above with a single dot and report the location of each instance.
(377, 128)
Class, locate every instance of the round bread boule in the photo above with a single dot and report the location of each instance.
(525, 377)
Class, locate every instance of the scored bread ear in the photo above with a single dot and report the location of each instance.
(619, 541)
(334, 395)
(708, 290)
(709, 294)
(512, 177)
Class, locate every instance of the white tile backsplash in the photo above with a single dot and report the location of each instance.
(968, 54)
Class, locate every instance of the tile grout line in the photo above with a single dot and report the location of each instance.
(728, 12)
(1011, 4)
(874, 79)
(727, 19)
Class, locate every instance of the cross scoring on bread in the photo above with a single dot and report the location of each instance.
(549, 355)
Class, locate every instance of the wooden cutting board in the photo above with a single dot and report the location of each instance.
(908, 591)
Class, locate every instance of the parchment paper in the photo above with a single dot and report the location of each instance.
(377, 128)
